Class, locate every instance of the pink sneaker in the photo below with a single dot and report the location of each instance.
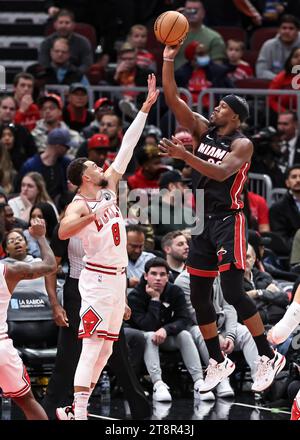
(216, 373)
(295, 411)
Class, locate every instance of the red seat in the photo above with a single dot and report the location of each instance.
(228, 32)
(85, 29)
(261, 35)
(252, 83)
(250, 56)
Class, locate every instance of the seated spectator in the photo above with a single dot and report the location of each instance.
(10, 221)
(23, 146)
(7, 171)
(231, 13)
(149, 170)
(15, 246)
(274, 52)
(200, 72)
(76, 114)
(137, 37)
(27, 111)
(270, 300)
(159, 310)
(176, 248)
(97, 150)
(151, 135)
(33, 191)
(171, 211)
(212, 40)
(46, 212)
(128, 73)
(285, 214)
(81, 54)
(233, 336)
(137, 257)
(110, 125)
(102, 107)
(256, 211)
(287, 127)
(238, 68)
(52, 163)
(284, 81)
(60, 71)
(51, 109)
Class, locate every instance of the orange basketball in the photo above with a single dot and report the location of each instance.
(171, 27)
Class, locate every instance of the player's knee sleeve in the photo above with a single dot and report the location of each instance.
(232, 283)
(202, 299)
(103, 357)
(91, 348)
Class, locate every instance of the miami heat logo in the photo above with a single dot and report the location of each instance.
(89, 321)
(220, 254)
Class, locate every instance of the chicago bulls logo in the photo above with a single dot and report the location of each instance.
(89, 321)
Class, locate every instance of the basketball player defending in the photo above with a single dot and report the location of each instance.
(281, 331)
(95, 217)
(14, 379)
(220, 163)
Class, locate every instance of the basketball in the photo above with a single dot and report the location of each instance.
(171, 27)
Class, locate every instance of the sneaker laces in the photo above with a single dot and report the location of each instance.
(262, 369)
(211, 371)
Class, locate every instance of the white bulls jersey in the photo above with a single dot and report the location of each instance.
(104, 240)
(4, 300)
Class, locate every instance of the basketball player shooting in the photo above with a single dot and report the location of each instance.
(14, 379)
(95, 217)
(220, 164)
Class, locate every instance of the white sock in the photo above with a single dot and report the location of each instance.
(81, 399)
(287, 324)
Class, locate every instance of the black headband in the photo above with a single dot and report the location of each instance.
(238, 105)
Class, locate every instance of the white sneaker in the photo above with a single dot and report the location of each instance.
(216, 373)
(202, 396)
(161, 410)
(65, 413)
(267, 370)
(161, 392)
(224, 389)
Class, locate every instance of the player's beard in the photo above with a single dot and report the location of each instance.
(103, 183)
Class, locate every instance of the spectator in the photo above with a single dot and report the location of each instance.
(150, 167)
(228, 13)
(256, 211)
(128, 73)
(33, 190)
(212, 40)
(7, 171)
(285, 214)
(200, 72)
(76, 114)
(51, 107)
(270, 300)
(137, 37)
(274, 52)
(287, 127)
(136, 255)
(102, 107)
(10, 221)
(23, 146)
(52, 163)
(284, 81)
(27, 112)
(176, 248)
(238, 68)
(233, 336)
(170, 212)
(159, 310)
(60, 71)
(15, 246)
(80, 48)
(98, 148)
(45, 211)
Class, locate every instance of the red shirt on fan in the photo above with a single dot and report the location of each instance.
(28, 119)
(259, 208)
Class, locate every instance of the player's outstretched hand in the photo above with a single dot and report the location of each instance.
(153, 93)
(37, 228)
(170, 52)
(174, 148)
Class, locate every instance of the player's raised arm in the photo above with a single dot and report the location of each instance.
(133, 134)
(76, 218)
(25, 271)
(184, 115)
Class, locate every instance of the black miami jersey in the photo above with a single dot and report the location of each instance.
(223, 196)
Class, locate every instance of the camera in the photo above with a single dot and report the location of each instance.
(266, 141)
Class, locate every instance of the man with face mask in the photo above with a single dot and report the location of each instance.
(201, 72)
